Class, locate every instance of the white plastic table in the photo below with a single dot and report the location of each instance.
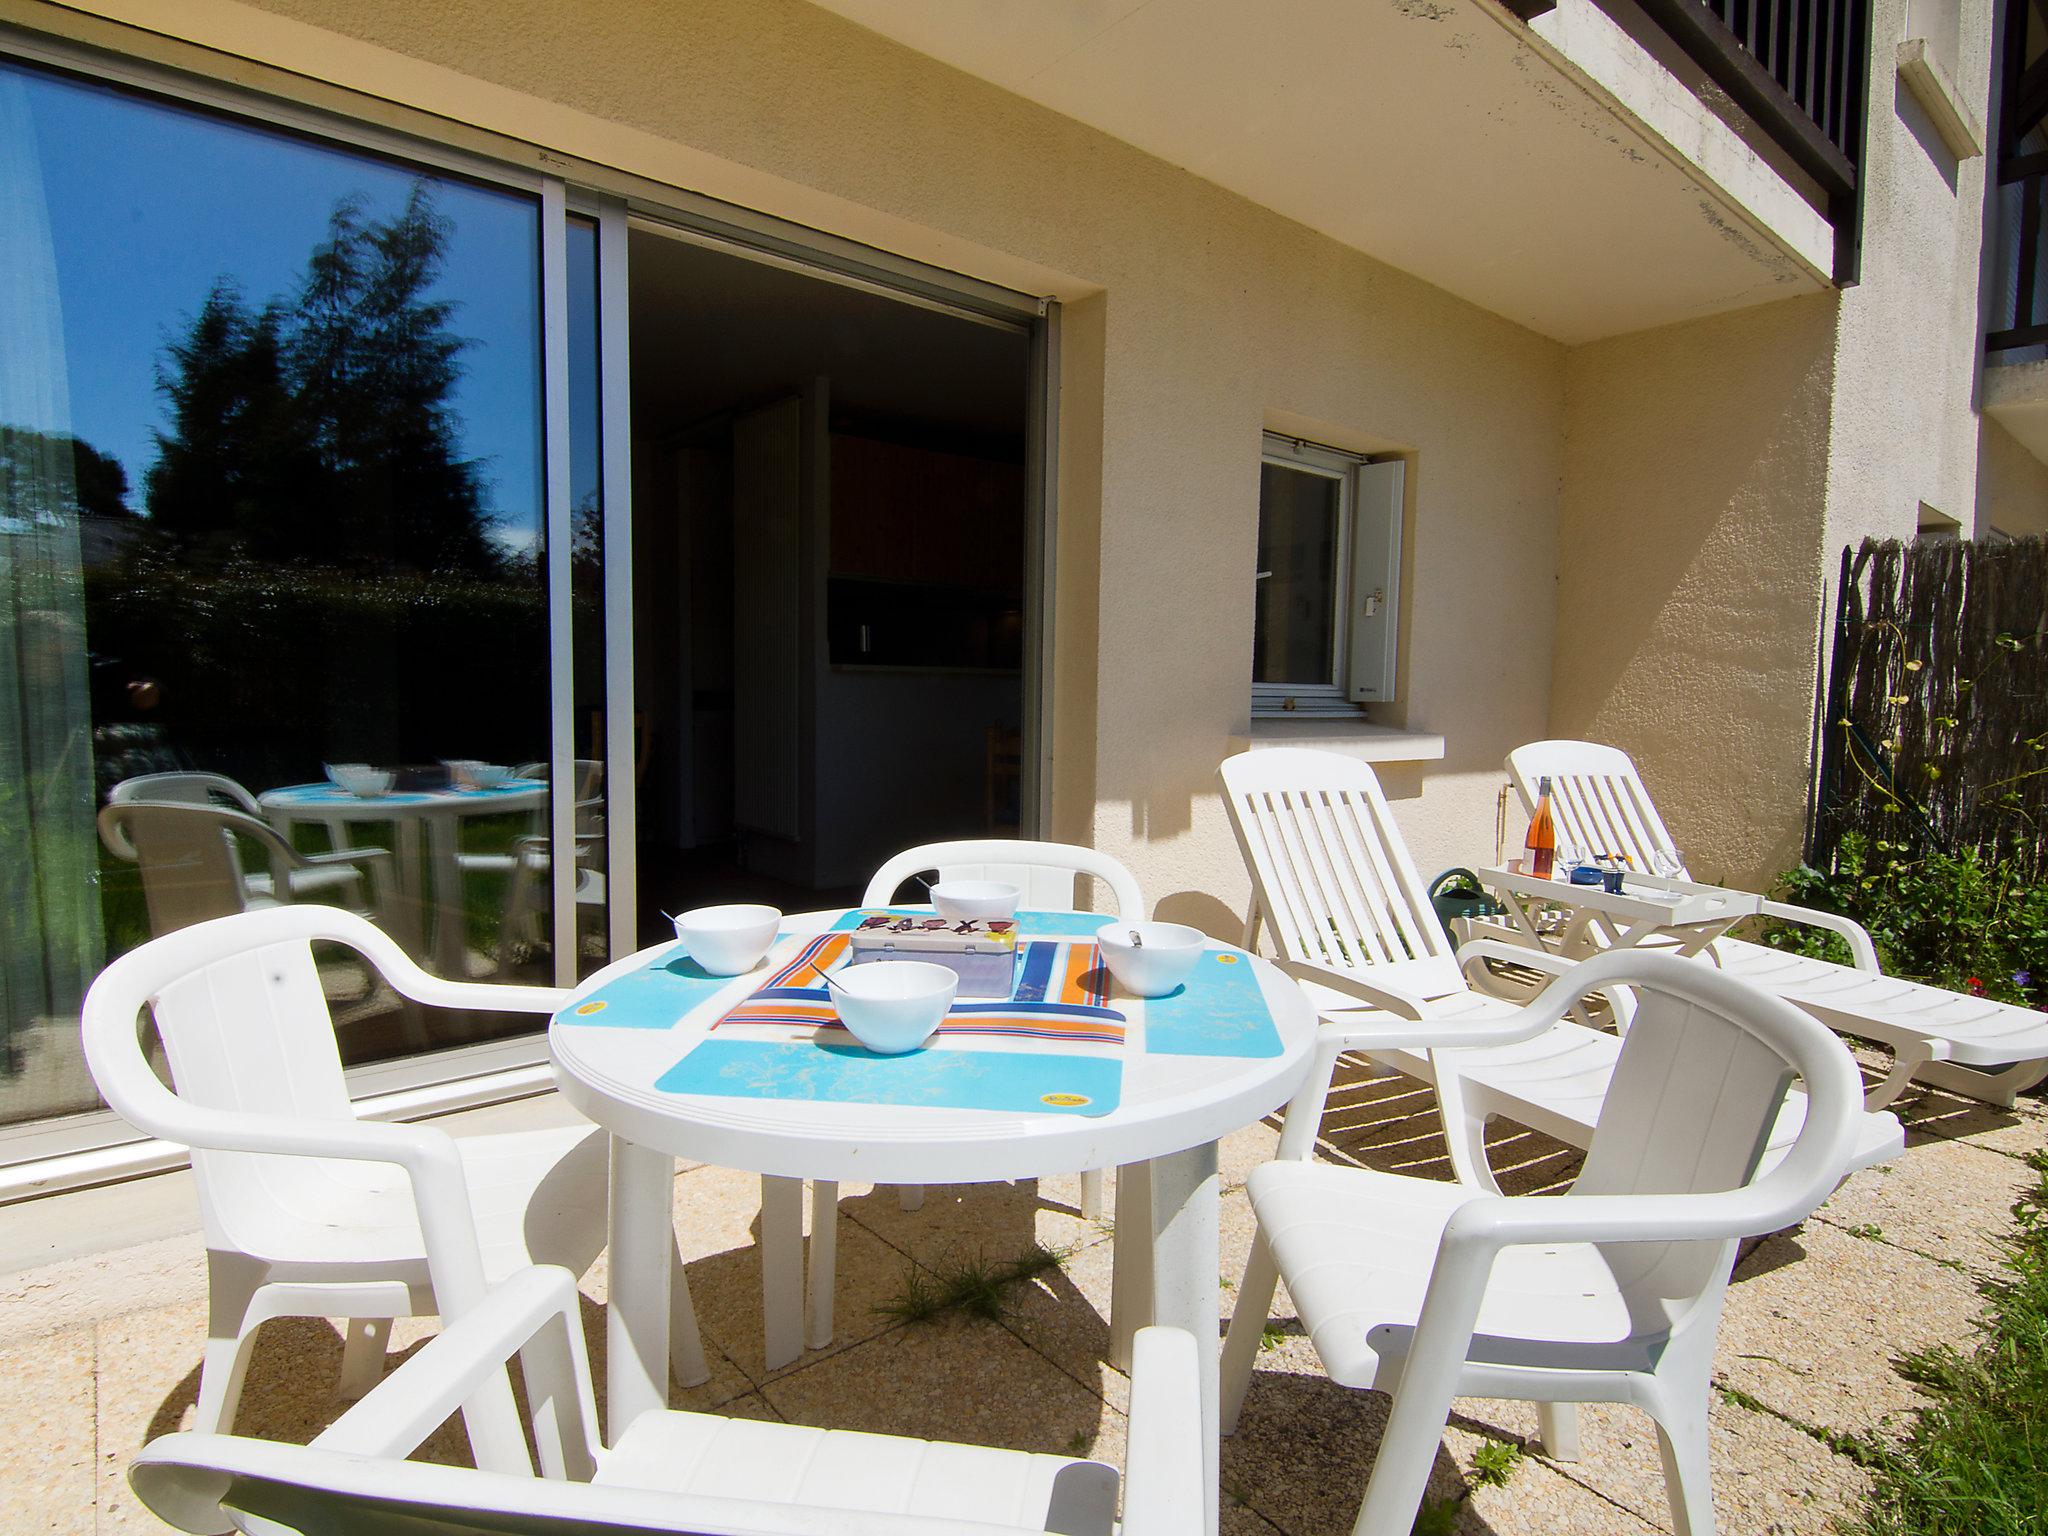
(441, 812)
(1162, 1137)
(1647, 906)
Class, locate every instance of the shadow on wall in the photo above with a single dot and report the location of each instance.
(1198, 909)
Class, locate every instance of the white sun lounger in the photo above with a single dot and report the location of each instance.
(1973, 1046)
(1333, 882)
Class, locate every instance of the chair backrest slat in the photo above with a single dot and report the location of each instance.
(1330, 872)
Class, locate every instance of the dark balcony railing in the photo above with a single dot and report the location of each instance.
(1799, 69)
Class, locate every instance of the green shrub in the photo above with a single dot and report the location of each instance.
(1959, 920)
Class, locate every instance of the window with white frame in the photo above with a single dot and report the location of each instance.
(1326, 612)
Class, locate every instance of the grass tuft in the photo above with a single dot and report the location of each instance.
(1976, 1460)
(970, 1283)
(1495, 1462)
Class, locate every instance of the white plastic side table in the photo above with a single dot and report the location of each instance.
(1162, 1137)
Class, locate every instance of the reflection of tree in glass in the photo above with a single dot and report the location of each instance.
(53, 474)
(321, 429)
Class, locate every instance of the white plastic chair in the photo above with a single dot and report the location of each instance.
(1973, 1046)
(1333, 881)
(666, 1471)
(1044, 875)
(1611, 1293)
(308, 1211)
(190, 860)
(335, 876)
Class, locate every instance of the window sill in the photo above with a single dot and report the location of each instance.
(1353, 738)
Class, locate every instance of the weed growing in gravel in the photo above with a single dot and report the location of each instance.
(1976, 1462)
(971, 1283)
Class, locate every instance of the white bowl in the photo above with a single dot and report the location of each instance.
(361, 780)
(892, 1006)
(964, 900)
(730, 939)
(488, 775)
(1157, 964)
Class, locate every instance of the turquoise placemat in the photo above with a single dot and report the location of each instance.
(1004, 1081)
(1218, 1011)
(1031, 925)
(656, 996)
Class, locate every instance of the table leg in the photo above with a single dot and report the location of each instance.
(1130, 1283)
(782, 1270)
(1186, 1252)
(444, 890)
(409, 919)
(637, 1317)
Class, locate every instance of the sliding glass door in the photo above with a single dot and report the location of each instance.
(298, 590)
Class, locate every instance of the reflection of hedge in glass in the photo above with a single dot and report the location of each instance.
(264, 672)
(320, 427)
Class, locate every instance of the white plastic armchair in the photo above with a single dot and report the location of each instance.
(308, 1211)
(192, 869)
(338, 875)
(1610, 1293)
(666, 1471)
(1964, 1044)
(1043, 872)
(1044, 876)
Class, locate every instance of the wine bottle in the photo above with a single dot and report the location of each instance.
(1541, 842)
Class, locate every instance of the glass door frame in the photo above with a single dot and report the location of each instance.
(44, 1156)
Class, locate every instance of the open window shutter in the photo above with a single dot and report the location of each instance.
(1375, 580)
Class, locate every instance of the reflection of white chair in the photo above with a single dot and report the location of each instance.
(308, 1211)
(667, 1471)
(1975, 1046)
(191, 863)
(1431, 1290)
(1333, 879)
(1044, 876)
(318, 877)
(527, 864)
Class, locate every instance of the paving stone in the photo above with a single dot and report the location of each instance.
(1816, 1320)
(1947, 1199)
(717, 1215)
(956, 1379)
(47, 1467)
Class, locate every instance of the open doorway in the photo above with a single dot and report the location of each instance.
(829, 558)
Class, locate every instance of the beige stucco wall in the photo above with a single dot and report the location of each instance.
(1714, 472)
(2012, 485)
(1905, 426)
(1690, 569)
(1193, 319)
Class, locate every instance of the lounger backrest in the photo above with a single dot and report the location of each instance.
(1330, 873)
(1596, 797)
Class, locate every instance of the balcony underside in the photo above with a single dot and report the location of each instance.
(1440, 136)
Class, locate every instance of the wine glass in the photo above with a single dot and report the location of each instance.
(1667, 863)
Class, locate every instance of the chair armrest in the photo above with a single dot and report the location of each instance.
(1513, 954)
(428, 1155)
(337, 856)
(408, 1405)
(1163, 1461)
(405, 975)
(1380, 995)
(1861, 950)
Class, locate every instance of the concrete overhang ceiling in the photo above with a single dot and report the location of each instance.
(1436, 135)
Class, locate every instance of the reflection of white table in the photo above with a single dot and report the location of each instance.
(1162, 1135)
(441, 811)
